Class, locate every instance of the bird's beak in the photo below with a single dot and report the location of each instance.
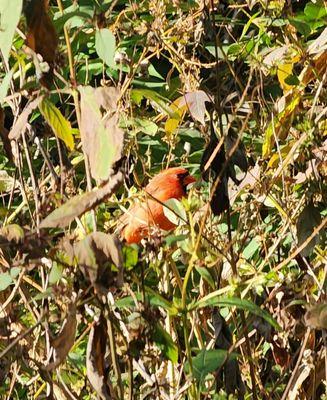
(189, 179)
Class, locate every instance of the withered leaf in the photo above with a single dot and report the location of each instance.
(316, 316)
(95, 360)
(92, 254)
(102, 139)
(41, 36)
(22, 120)
(78, 205)
(64, 341)
(195, 102)
(307, 221)
(12, 233)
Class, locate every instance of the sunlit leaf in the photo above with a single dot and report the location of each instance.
(10, 11)
(105, 46)
(59, 124)
(166, 344)
(208, 361)
(243, 304)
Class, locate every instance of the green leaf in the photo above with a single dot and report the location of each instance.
(105, 46)
(130, 255)
(59, 124)
(14, 272)
(5, 280)
(214, 300)
(159, 101)
(315, 11)
(55, 273)
(301, 26)
(4, 86)
(153, 298)
(251, 248)
(165, 343)
(10, 11)
(174, 211)
(208, 361)
(76, 15)
(205, 274)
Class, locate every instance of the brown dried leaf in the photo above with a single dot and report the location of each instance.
(316, 316)
(12, 233)
(41, 36)
(64, 341)
(102, 138)
(78, 205)
(93, 253)
(195, 102)
(22, 120)
(95, 360)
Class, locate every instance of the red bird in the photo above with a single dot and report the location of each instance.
(140, 218)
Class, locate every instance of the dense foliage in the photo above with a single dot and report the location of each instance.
(96, 98)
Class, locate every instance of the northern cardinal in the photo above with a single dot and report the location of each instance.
(140, 218)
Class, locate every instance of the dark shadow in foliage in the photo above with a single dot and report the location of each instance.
(222, 165)
(228, 377)
(95, 360)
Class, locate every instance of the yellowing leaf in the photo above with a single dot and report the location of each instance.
(59, 124)
(179, 110)
(275, 158)
(279, 122)
(283, 71)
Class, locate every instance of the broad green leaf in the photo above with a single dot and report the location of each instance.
(174, 211)
(315, 10)
(301, 26)
(208, 361)
(5, 280)
(67, 17)
(10, 11)
(218, 301)
(165, 343)
(158, 101)
(105, 46)
(59, 124)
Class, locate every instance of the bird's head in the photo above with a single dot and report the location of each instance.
(183, 176)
